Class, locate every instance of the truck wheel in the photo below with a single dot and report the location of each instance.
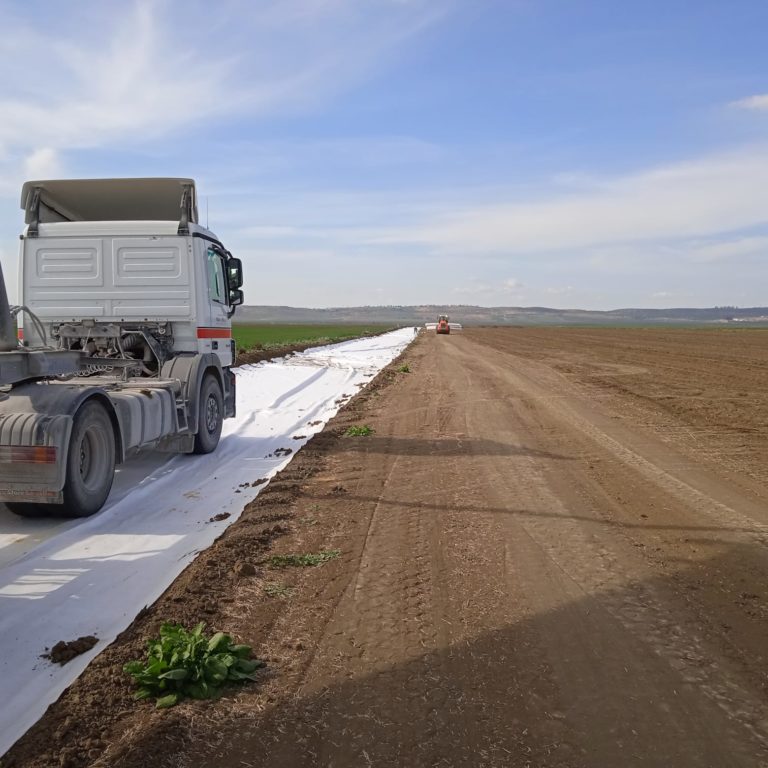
(90, 463)
(210, 416)
(90, 467)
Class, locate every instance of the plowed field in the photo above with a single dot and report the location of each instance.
(554, 553)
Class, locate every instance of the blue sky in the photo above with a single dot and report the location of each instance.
(500, 152)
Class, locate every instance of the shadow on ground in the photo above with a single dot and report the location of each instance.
(606, 680)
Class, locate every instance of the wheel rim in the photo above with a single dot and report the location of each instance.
(93, 458)
(211, 414)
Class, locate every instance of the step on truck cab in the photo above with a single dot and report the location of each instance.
(124, 338)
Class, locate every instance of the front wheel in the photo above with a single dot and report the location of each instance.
(210, 418)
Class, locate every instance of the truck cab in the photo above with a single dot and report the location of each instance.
(128, 253)
(126, 314)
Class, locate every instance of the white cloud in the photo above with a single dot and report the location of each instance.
(475, 289)
(43, 163)
(512, 285)
(694, 199)
(758, 102)
(727, 250)
(138, 83)
(125, 75)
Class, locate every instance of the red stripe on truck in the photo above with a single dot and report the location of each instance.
(214, 333)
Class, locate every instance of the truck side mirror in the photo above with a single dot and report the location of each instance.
(234, 273)
(236, 297)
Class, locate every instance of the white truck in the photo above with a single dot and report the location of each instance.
(124, 338)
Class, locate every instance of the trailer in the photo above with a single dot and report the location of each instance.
(123, 343)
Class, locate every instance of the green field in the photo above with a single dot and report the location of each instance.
(250, 336)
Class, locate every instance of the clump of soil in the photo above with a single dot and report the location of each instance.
(283, 451)
(65, 651)
(219, 517)
(244, 569)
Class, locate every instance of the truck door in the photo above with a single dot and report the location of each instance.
(217, 335)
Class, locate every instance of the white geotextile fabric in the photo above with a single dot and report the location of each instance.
(91, 577)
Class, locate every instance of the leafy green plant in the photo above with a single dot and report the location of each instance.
(186, 664)
(359, 431)
(303, 561)
(405, 368)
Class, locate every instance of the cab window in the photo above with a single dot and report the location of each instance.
(217, 286)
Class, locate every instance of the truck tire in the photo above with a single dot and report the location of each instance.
(210, 416)
(90, 467)
(90, 462)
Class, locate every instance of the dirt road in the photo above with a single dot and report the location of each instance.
(554, 554)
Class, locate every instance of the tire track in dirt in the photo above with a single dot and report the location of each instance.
(585, 566)
(399, 676)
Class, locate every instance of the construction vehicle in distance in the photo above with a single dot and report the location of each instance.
(124, 338)
(443, 325)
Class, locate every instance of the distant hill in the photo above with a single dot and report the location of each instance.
(471, 315)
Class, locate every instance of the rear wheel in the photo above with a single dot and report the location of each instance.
(90, 467)
(90, 463)
(210, 418)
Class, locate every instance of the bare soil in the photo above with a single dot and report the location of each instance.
(553, 554)
(259, 354)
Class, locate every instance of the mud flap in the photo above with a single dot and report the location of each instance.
(230, 393)
(184, 443)
(33, 457)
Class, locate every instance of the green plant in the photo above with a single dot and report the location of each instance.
(359, 431)
(186, 664)
(303, 561)
(276, 589)
(405, 368)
